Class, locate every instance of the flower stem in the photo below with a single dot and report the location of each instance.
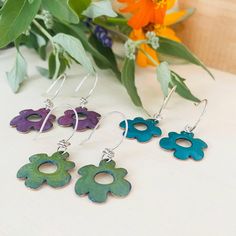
(45, 32)
(119, 21)
(148, 56)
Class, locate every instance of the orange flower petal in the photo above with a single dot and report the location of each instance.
(170, 4)
(167, 32)
(174, 17)
(144, 12)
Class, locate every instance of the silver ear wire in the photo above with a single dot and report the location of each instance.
(49, 101)
(84, 100)
(64, 143)
(189, 128)
(158, 115)
(108, 153)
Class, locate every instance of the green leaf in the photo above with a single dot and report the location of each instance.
(42, 50)
(15, 18)
(181, 87)
(1, 3)
(108, 60)
(78, 6)
(61, 10)
(18, 73)
(75, 49)
(102, 8)
(96, 51)
(57, 64)
(179, 50)
(128, 80)
(43, 71)
(28, 40)
(164, 76)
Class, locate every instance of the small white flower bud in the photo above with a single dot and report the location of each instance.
(130, 48)
(152, 39)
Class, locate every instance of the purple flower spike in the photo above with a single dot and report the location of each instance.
(32, 120)
(87, 119)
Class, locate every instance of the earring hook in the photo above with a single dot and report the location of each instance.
(64, 143)
(158, 115)
(189, 128)
(48, 103)
(84, 100)
(108, 153)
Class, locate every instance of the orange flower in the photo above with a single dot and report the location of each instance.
(146, 11)
(160, 30)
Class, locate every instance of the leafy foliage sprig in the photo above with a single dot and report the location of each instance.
(65, 31)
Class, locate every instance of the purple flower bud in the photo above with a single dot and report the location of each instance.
(102, 35)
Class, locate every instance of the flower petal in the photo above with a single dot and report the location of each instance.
(200, 143)
(34, 183)
(174, 17)
(65, 121)
(85, 170)
(38, 157)
(120, 172)
(181, 155)
(58, 179)
(15, 121)
(98, 194)
(37, 125)
(24, 171)
(122, 125)
(121, 188)
(197, 155)
(68, 165)
(24, 127)
(82, 186)
(166, 143)
(170, 4)
(144, 137)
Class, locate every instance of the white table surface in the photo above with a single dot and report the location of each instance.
(169, 197)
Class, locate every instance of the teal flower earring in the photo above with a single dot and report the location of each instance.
(31, 172)
(150, 125)
(174, 142)
(96, 191)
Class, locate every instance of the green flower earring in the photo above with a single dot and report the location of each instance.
(31, 172)
(98, 192)
(34, 178)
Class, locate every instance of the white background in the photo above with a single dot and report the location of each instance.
(168, 197)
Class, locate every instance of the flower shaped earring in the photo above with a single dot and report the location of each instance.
(31, 172)
(30, 119)
(195, 146)
(98, 192)
(150, 125)
(87, 119)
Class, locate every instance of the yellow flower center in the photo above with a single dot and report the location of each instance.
(160, 3)
(158, 28)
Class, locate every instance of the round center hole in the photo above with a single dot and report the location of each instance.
(48, 168)
(81, 116)
(141, 126)
(34, 118)
(104, 178)
(183, 143)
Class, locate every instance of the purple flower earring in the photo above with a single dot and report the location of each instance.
(30, 119)
(87, 119)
